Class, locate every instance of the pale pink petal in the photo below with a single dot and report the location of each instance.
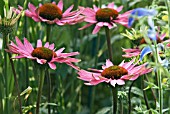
(120, 82)
(68, 10)
(113, 83)
(96, 29)
(95, 8)
(46, 44)
(28, 45)
(89, 12)
(41, 61)
(60, 5)
(119, 9)
(39, 43)
(36, 19)
(111, 5)
(58, 52)
(31, 7)
(51, 46)
(52, 65)
(86, 26)
(100, 24)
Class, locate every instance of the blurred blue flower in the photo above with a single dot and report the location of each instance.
(140, 12)
(147, 49)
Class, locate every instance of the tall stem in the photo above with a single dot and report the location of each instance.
(144, 94)
(48, 31)
(114, 89)
(159, 77)
(129, 101)
(5, 41)
(108, 43)
(49, 89)
(40, 86)
(16, 83)
(114, 92)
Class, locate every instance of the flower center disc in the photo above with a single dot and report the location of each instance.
(43, 53)
(106, 14)
(50, 11)
(114, 72)
(158, 40)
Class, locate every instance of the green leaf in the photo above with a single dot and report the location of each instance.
(2, 3)
(104, 110)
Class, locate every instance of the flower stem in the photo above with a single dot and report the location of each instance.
(16, 83)
(129, 101)
(114, 89)
(159, 77)
(49, 90)
(48, 31)
(40, 86)
(115, 96)
(108, 43)
(5, 41)
(144, 94)
(14, 73)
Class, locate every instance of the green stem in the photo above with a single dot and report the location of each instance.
(114, 89)
(48, 31)
(129, 101)
(108, 43)
(40, 87)
(5, 41)
(144, 94)
(159, 77)
(16, 83)
(115, 96)
(49, 89)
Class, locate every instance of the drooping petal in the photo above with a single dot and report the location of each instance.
(146, 50)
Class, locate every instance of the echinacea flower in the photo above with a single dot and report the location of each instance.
(114, 74)
(42, 54)
(52, 13)
(8, 22)
(104, 17)
(134, 52)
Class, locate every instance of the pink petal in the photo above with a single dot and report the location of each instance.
(28, 45)
(60, 5)
(31, 7)
(86, 26)
(113, 83)
(96, 29)
(111, 5)
(52, 65)
(39, 43)
(119, 9)
(120, 82)
(51, 46)
(68, 10)
(58, 52)
(95, 8)
(46, 44)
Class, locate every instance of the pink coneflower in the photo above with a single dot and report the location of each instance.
(136, 51)
(42, 54)
(114, 74)
(52, 13)
(104, 17)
